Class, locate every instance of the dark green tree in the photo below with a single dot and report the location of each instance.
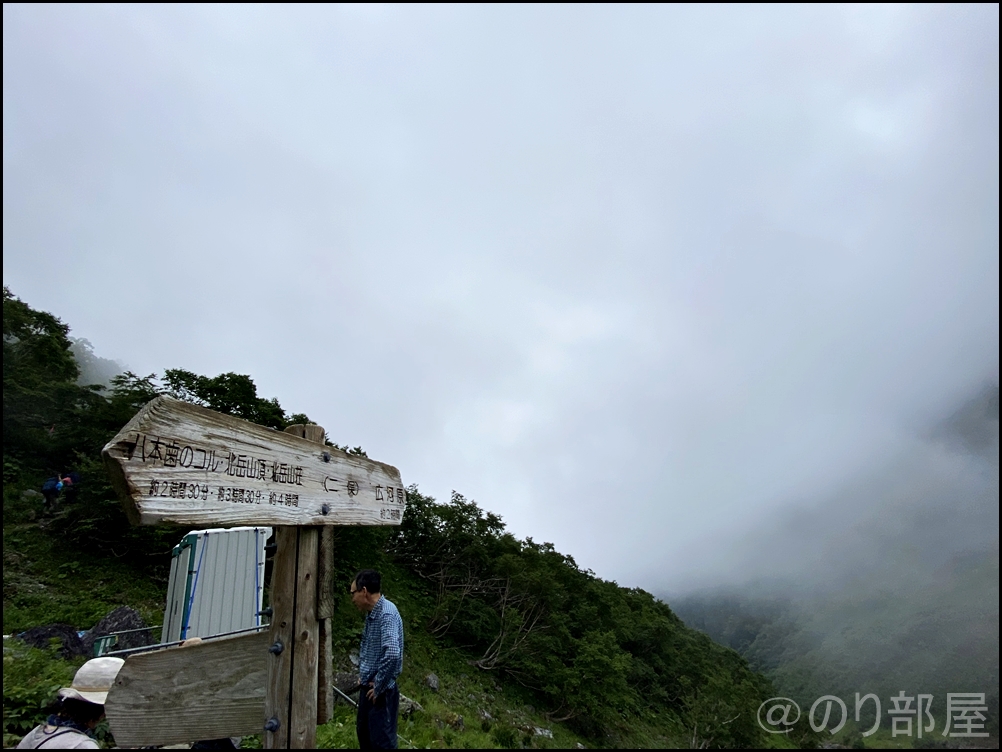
(595, 654)
(230, 393)
(41, 399)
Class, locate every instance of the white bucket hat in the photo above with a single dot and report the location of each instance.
(93, 680)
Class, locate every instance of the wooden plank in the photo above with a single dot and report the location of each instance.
(291, 695)
(283, 582)
(303, 713)
(313, 432)
(325, 606)
(208, 691)
(325, 673)
(180, 463)
(326, 603)
(325, 598)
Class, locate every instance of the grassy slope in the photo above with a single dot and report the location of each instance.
(46, 582)
(464, 692)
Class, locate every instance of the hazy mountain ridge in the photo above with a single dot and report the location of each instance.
(93, 368)
(905, 597)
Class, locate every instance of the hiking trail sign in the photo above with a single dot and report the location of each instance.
(182, 464)
(179, 463)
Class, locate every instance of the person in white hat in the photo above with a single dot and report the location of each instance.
(81, 708)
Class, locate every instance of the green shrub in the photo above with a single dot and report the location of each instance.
(31, 679)
(505, 737)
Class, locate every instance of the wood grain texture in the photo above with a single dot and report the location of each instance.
(326, 602)
(313, 432)
(325, 605)
(180, 463)
(291, 694)
(283, 583)
(207, 691)
(325, 674)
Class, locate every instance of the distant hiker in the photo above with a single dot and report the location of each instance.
(50, 490)
(380, 661)
(81, 708)
(66, 483)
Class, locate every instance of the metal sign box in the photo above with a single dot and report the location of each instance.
(216, 583)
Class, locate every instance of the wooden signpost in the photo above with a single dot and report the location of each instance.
(179, 463)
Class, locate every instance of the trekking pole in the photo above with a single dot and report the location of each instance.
(345, 697)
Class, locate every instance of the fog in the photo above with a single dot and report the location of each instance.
(686, 291)
(889, 581)
(898, 526)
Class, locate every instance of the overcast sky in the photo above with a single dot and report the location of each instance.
(638, 279)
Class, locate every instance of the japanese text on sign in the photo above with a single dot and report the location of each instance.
(169, 453)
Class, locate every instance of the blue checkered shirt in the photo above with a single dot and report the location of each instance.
(381, 657)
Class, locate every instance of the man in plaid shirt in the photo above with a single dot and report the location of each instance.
(380, 661)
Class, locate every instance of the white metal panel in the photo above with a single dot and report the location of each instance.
(227, 584)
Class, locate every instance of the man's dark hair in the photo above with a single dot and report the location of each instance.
(369, 579)
(80, 711)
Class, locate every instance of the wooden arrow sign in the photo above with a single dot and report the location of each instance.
(180, 463)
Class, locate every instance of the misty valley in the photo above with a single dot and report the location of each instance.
(893, 587)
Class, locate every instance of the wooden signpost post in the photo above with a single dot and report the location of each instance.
(179, 463)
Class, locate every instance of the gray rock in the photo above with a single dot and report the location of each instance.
(431, 680)
(545, 733)
(70, 643)
(409, 707)
(119, 620)
(31, 494)
(347, 682)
